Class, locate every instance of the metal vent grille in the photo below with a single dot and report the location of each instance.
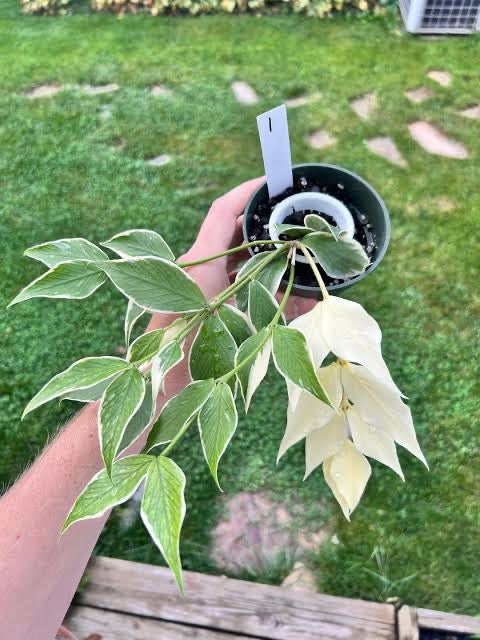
(441, 16)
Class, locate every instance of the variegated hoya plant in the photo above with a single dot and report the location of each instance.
(341, 397)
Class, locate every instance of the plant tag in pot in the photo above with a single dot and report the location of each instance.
(273, 132)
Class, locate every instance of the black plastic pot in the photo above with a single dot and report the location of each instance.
(359, 193)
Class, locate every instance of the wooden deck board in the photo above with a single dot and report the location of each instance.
(454, 622)
(232, 606)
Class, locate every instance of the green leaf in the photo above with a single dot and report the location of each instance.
(163, 510)
(236, 322)
(66, 250)
(134, 313)
(83, 374)
(71, 280)
(145, 347)
(178, 411)
(217, 423)
(213, 351)
(140, 421)
(248, 349)
(92, 394)
(293, 361)
(168, 356)
(270, 276)
(262, 306)
(103, 493)
(120, 402)
(317, 223)
(139, 242)
(292, 230)
(342, 258)
(155, 284)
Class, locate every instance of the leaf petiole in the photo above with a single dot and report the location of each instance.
(228, 252)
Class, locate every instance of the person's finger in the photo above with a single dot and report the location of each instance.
(218, 229)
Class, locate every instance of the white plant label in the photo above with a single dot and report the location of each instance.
(273, 131)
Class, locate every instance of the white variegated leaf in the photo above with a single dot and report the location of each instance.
(139, 242)
(258, 371)
(325, 442)
(65, 250)
(134, 313)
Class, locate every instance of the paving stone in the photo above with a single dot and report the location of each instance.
(471, 112)
(93, 90)
(444, 78)
(301, 101)
(419, 94)
(386, 148)
(365, 105)
(300, 579)
(244, 93)
(444, 204)
(321, 139)
(432, 140)
(160, 90)
(159, 161)
(105, 111)
(44, 91)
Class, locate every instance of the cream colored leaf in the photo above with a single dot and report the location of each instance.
(325, 442)
(258, 371)
(373, 442)
(353, 335)
(310, 413)
(348, 474)
(329, 479)
(378, 405)
(310, 324)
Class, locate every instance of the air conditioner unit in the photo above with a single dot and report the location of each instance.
(441, 16)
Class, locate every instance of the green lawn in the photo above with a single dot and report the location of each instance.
(66, 171)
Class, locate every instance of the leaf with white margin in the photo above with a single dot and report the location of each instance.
(347, 473)
(102, 493)
(317, 223)
(340, 258)
(262, 306)
(325, 442)
(270, 276)
(292, 359)
(155, 284)
(140, 421)
(163, 510)
(179, 410)
(247, 352)
(237, 322)
(119, 403)
(69, 280)
(139, 242)
(373, 442)
(83, 374)
(213, 350)
(258, 371)
(217, 422)
(353, 335)
(65, 250)
(92, 394)
(134, 313)
(292, 230)
(381, 407)
(145, 347)
(168, 356)
(310, 413)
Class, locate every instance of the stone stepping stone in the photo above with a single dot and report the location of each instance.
(443, 78)
(386, 148)
(44, 91)
(433, 141)
(365, 105)
(94, 90)
(444, 204)
(301, 101)
(420, 94)
(471, 112)
(105, 111)
(159, 161)
(244, 93)
(300, 579)
(160, 91)
(321, 139)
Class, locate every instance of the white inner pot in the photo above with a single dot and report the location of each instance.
(317, 203)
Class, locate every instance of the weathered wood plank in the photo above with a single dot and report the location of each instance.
(110, 625)
(407, 623)
(431, 619)
(233, 605)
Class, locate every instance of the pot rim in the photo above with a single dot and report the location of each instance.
(379, 257)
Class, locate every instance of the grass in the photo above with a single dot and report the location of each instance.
(66, 171)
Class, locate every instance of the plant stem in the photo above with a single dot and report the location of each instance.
(241, 247)
(174, 440)
(315, 270)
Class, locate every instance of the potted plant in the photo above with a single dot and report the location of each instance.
(341, 397)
